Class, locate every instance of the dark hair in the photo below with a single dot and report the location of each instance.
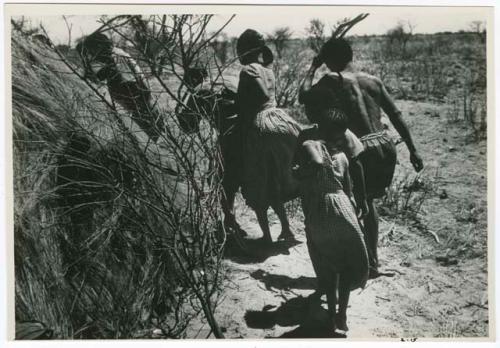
(96, 43)
(252, 40)
(317, 101)
(334, 118)
(338, 52)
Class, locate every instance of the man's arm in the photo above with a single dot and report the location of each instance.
(387, 104)
(306, 85)
(358, 184)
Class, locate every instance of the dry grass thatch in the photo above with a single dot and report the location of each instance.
(114, 235)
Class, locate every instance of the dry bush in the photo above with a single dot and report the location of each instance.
(288, 71)
(441, 68)
(220, 45)
(280, 38)
(406, 195)
(315, 32)
(114, 235)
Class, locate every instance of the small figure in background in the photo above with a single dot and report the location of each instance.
(125, 81)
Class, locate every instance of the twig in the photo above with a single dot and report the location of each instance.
(395, 270)
(435, 236)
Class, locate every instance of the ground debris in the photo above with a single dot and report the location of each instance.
(446, 261)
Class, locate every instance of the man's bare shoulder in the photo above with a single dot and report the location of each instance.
(365, 78)
(333, 79)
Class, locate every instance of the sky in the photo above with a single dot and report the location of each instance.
(266, 18)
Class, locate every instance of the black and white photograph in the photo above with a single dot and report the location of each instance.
(250, 172)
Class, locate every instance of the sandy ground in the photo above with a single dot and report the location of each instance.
(266, 295)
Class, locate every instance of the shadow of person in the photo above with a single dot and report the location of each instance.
(246, 250)
(308, 331)
(307, 312)
(283, 282)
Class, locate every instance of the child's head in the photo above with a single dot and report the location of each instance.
(333, 125)
(318, 101)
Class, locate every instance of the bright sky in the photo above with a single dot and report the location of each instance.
(266, 18)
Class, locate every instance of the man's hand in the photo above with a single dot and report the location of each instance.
(364, 210)
(416, 161)
(317, 62)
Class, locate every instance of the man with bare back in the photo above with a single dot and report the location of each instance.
(362, 97)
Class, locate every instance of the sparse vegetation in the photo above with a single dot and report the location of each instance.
(117, 236)
(280, 38)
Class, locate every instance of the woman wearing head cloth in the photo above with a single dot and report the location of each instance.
(270, 135)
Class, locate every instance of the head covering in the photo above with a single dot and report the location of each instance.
(252, 40)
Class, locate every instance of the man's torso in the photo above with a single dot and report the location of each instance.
(359, 97)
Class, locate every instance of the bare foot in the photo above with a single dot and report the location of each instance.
(286, 235)
(266, 240)
(232, 225)
(341, 323)
(375, 273)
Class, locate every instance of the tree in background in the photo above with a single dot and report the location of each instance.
(280, 38)
(220, 44)
(315, 32)
(400, 35)
(479, 28)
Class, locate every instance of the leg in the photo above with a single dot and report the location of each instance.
(264, 224)
(286, 233)
(230, 185)
(320, 290)
(344, 292)
(331, 299)
(371, 227)
(227, 204)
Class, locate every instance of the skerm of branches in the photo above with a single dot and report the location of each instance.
(167, 211)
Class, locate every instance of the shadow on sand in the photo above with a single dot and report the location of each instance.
(245, 250)
(306, 312)
(283, 282)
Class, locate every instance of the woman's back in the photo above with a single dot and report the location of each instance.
(250, 91)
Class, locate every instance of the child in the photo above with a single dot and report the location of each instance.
(320, 101)
(363, 97)
(334, 238)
